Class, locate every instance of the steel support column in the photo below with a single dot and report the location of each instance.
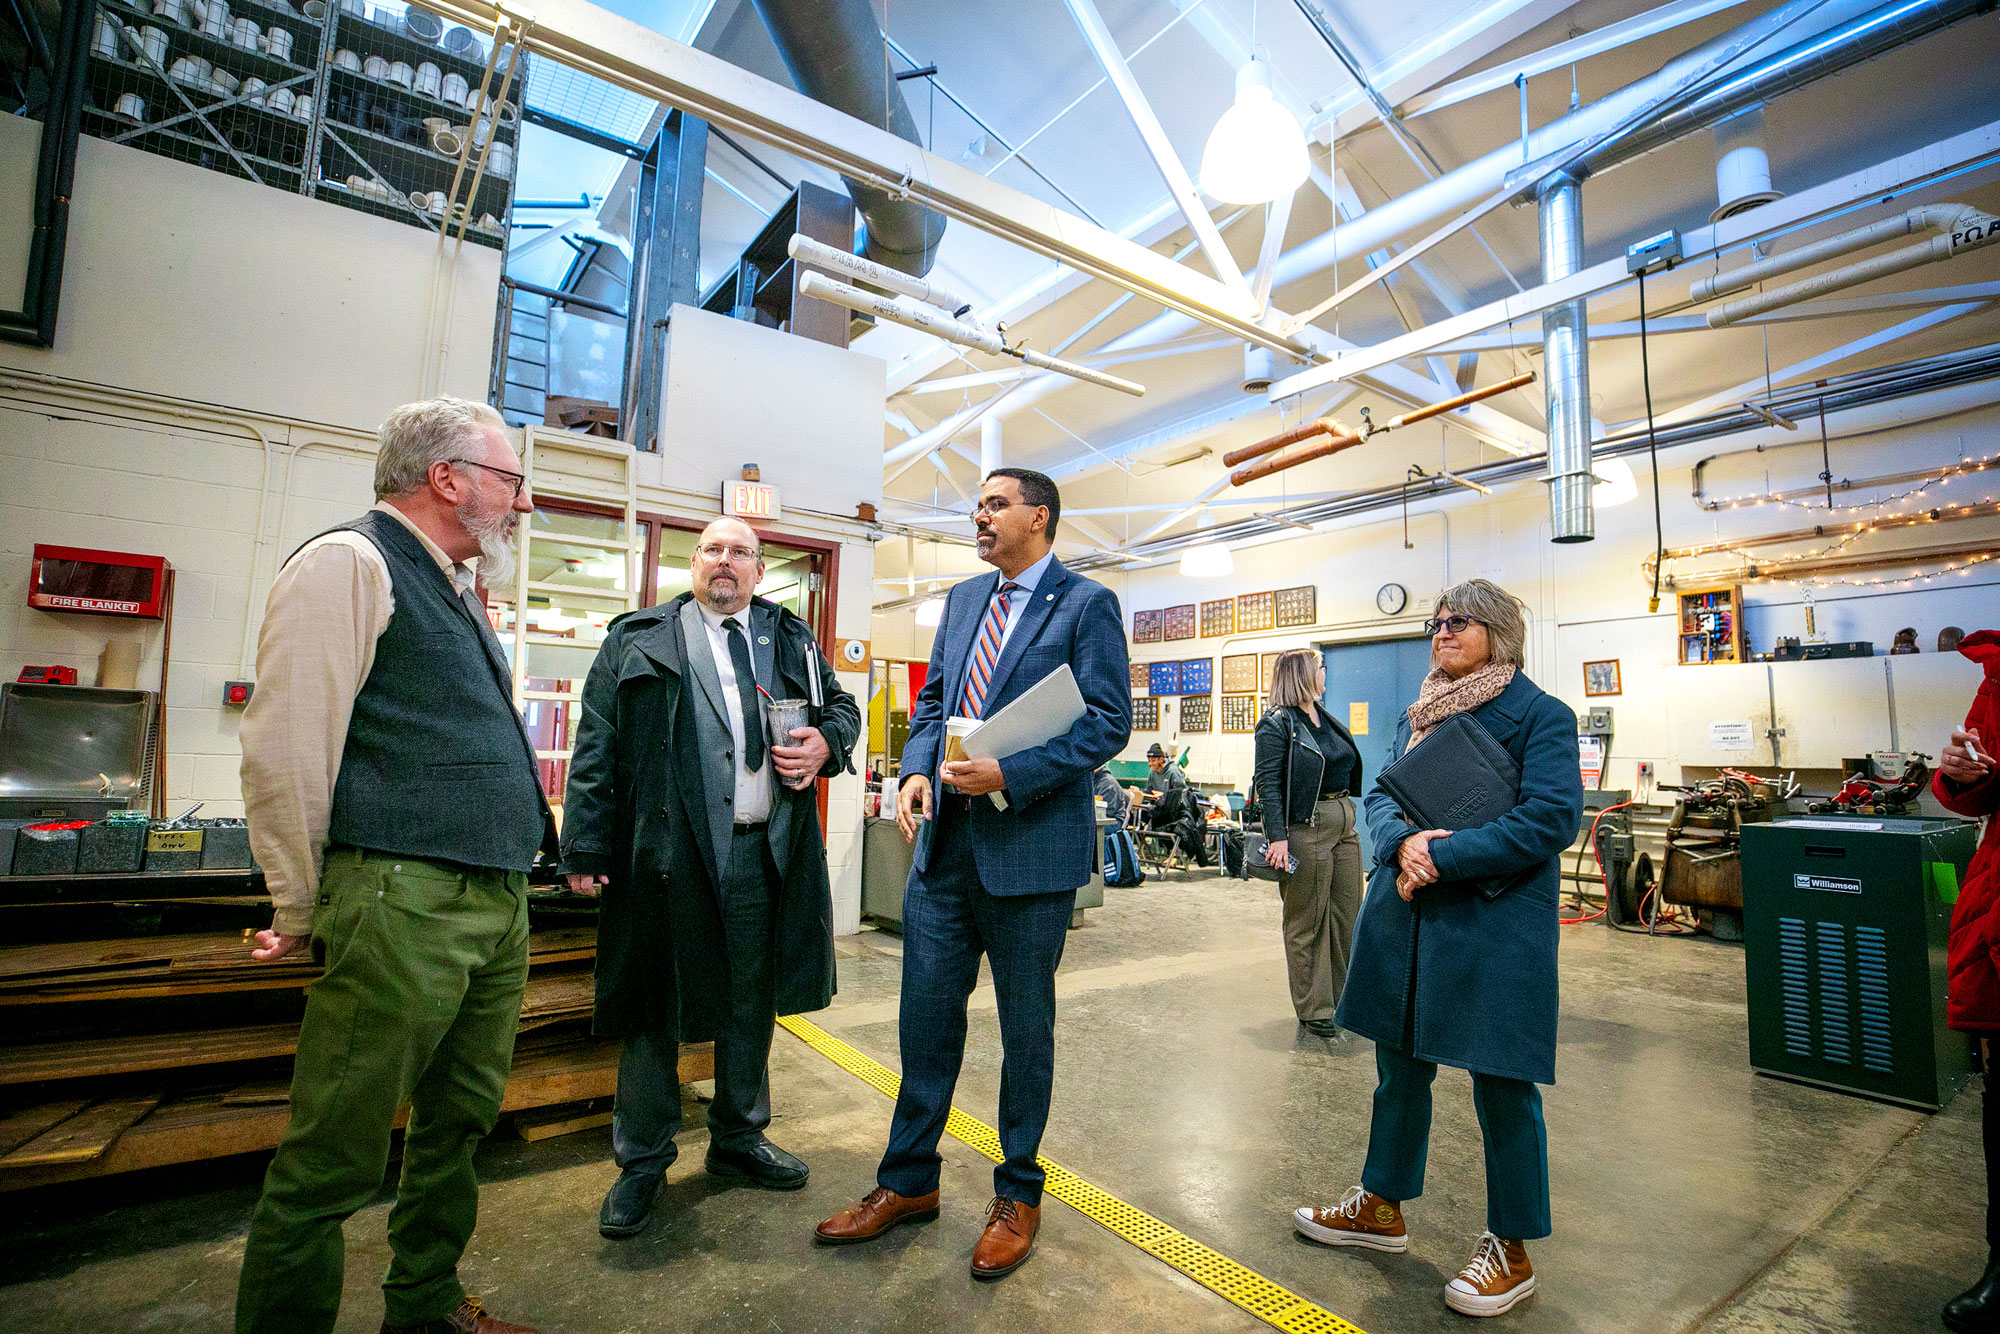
(666, 259)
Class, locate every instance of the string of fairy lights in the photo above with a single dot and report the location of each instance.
(1956, 568)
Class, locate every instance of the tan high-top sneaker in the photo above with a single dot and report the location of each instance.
(1493, 1280)
(1362, 1218)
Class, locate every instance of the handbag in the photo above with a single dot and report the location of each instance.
(1255, 844)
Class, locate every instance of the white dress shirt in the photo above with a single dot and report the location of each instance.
(752, 802)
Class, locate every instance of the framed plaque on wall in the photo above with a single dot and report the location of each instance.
(1265, 666)
(1297, 606)
(1180, 622)
(1218, 618)
(1146, 626)
(1145, 714)
(1139, 677)
(1255, 611)
(1239, 673)
(1195, 713)
(1197, 676)
(1164, 678)
(1239, 713)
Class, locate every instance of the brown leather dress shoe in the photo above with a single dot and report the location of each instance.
(879, 1210)
(469, 1318)
(1009, 1237)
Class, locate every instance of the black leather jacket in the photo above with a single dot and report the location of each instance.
(1289, 767)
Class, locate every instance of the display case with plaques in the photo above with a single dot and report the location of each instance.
(1146, 714)
(1218, 618)
(1180, 622)
(1239, 673)
(1255, 611)
(1138, 676)
(1164, 678)
(1239, 713)
(1197, 676)
(1147, 625)
(1266, 664)
(1195, 713)
(1297, 606)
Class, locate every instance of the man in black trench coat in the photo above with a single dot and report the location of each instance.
(682, 811)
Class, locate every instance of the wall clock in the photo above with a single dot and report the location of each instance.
(1391, 599)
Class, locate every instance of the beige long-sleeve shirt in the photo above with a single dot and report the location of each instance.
(327, 607)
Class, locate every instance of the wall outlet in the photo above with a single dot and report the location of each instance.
(1598, 720)
(1645, 771)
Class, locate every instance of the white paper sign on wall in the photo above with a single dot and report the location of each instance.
(1730, 735)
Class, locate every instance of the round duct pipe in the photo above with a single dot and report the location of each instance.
(1259, 369)
(1742, 168)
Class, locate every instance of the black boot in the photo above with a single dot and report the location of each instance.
(1977, 1309)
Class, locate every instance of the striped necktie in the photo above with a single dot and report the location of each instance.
(986, 653)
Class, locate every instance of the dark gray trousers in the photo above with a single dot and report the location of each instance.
(647, 1114)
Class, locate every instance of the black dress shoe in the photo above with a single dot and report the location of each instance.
(628, 1204)
(1321, 1028)
(760, 1162)
(1977, 1309)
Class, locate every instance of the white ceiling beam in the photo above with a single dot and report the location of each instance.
(1530, 337)
(1637, 28)
(1871, 186)
(1277, 217)
(590, 38)
(1179, 347)
(1158, 146)
(1754, 388)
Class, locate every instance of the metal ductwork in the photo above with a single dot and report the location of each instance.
(1742, 167)
(1566, 365)
(837, 55)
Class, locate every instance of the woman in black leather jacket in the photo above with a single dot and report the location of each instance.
(1308, 775)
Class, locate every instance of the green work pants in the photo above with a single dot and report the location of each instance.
(425, 967)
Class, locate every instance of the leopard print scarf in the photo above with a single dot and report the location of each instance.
(1440, 696)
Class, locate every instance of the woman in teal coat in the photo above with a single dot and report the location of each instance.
(1454, 958)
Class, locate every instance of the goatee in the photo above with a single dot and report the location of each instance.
(494, 531)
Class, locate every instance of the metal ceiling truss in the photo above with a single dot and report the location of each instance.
(619, 51)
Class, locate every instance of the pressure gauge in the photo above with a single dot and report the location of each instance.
(1391, 599)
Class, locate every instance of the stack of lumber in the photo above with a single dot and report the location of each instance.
(142, 1051)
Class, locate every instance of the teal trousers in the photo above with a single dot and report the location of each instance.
(425, 968)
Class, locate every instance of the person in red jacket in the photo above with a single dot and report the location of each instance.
(1966, 782)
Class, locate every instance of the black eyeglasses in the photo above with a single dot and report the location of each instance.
(1455, 624)
(516, 478)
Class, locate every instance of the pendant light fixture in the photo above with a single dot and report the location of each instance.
(1207, 560)
(1257, 151)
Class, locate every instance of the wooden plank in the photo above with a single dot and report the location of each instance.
(82, 1138)
(17, 1128)
(197, 1129)
(565, 1119)
(80, 1058)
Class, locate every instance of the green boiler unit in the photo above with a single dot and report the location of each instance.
(1844, 925)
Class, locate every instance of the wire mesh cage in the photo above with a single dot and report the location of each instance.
(228, 86)
(383, 109)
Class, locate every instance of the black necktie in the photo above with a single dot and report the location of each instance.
(746, 690)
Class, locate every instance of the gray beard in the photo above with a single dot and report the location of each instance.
(712, 598)
(494, 534)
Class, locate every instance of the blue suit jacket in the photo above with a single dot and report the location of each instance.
(1045, 841)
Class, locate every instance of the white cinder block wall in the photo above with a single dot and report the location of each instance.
(1588, 601)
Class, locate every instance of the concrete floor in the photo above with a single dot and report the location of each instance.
(1688, 1194)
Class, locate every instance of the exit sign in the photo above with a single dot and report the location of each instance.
(750, 500)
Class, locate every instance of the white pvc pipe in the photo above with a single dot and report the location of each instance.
(927, 319)
(1973, 230)
(808, 251)
(1930, 217)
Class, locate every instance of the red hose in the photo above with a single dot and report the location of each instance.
(1572, 921)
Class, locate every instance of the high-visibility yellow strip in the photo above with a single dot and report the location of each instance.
(1268, 1301)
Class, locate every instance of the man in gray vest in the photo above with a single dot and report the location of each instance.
(702, 833)
(394, 806)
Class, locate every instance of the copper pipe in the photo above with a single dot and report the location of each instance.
(1473, 396)
(1312, 428)
(1346, 439)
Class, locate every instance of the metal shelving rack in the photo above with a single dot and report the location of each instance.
(355, 125)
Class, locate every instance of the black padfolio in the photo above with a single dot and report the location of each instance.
(1458, 777)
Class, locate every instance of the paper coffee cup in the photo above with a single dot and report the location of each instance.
(955, 732)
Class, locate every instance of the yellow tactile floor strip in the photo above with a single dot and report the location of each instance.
(1218, 1273)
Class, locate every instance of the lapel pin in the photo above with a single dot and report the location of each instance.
(763, 639)
(1048, 597)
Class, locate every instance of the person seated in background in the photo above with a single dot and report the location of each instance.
(1178, 808)
(1116, 804)
(1253, 809)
